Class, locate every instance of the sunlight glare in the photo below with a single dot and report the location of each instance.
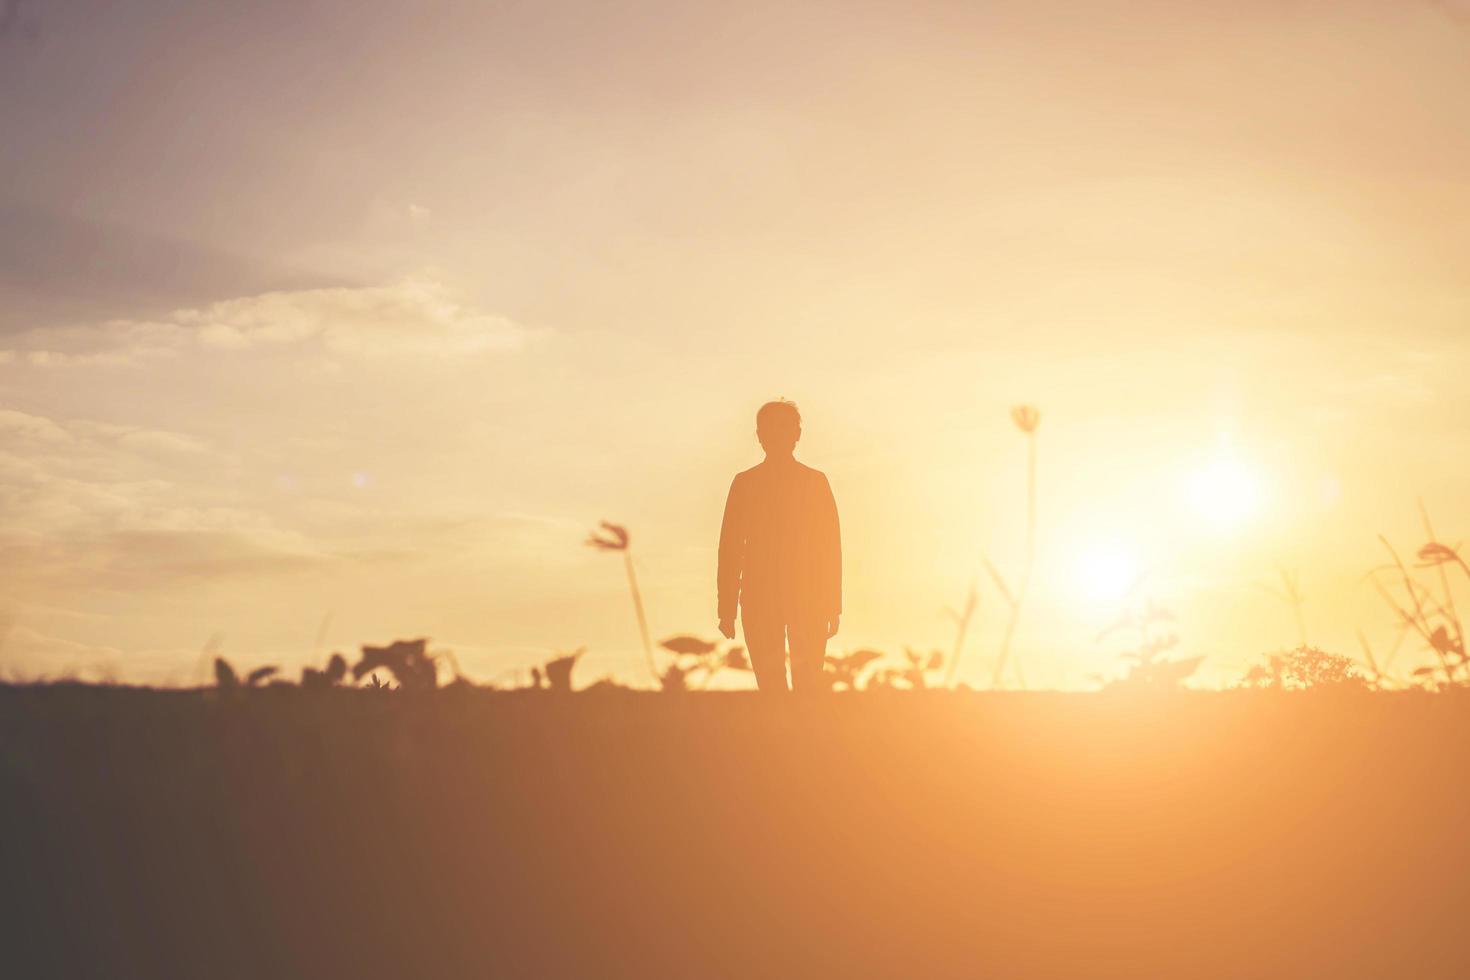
(1108, 573)
(1225, 492)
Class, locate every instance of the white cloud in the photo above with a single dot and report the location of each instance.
(19, 426)
(414, 318)
(92, 504)
(53, 358)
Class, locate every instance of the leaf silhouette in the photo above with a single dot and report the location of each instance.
(615, 538)
(674, 679)
(1441, 641)
(559, 671)
(685, 645)
(407, 660)
(224, 675)
(259, 674)
(1435, 553)
(859, 659)
(1173, 672)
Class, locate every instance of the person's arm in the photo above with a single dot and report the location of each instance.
(732, 558)
(831, 558)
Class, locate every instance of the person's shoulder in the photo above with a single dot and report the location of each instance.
(811, 473)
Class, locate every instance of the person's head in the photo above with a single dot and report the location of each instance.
(778, 426)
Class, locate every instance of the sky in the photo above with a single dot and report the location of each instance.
(328, 323)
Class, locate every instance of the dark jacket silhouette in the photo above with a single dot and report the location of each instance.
(780, 560)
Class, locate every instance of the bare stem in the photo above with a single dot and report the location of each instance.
(1005, 644)
(638, 608)
(962, 624)
(1019, 599)
(1444, 582)
(1418, 619)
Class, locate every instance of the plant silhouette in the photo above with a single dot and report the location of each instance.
(848, 671)
(614, 537)
(1304, 667)
(1026, 419)
(705, 657)
(407, 660)
(334, 673)
(228, 681)
(556, 674)
(1433, 618)
(1154, 636)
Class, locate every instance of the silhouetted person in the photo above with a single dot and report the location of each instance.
(781, 558)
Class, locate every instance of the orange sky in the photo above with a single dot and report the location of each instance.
(371, 312)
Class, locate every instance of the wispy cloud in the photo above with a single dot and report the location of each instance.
(416, 318)
(86, 505)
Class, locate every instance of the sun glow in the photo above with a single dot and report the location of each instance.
(1107, 573)
(1226, 492)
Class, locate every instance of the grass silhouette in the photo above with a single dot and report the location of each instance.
(1026, 418)
(1304, 667)
(614, 537)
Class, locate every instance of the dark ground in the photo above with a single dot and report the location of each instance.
(355, 834)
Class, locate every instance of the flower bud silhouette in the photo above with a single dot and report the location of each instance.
(1026, 417)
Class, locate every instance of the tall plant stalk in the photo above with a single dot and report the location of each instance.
(1291, 594)
(1026, 418)
(961, 619)
(1442, 565)
(1435, 622)
(638, 608)
(614, 537)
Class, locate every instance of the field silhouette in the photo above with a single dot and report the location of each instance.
(358, 832)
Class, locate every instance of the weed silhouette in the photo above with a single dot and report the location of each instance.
(1291, 594)
(407, 660)
(912, 675)
(228, 681)
(1433, 618)
(848, 671)
(693, 655)
(1153, 637)
(961, 617)
(1026, 418)
(334, 674)
(1304, 667)
(556, 674)
(615, 537)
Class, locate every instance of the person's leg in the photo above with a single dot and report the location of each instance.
(808, 656)
(765, 641)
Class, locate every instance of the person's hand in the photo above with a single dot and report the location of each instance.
(832, 626)
(727, 628)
